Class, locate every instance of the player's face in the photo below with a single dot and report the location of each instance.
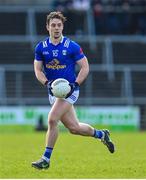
(55, 28)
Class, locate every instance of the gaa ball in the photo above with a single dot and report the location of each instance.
(60, 88)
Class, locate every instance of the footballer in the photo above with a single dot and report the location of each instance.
(56, 57)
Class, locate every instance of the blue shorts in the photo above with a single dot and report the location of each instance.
(71, 99)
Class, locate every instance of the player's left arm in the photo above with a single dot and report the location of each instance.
(84, 70)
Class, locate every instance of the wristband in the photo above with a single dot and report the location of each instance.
(46, 82)
(77, 84)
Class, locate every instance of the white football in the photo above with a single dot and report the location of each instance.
(60, 88)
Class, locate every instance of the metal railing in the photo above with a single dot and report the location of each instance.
(107, 66)
(12, 90)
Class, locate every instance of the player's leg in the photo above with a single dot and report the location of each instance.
(70, 121)
(58, 109)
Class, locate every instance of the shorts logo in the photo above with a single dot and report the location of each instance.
(72, 97)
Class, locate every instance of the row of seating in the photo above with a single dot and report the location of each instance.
(15, 23)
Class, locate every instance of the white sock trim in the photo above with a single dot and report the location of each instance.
(46, 159)
(103, 135)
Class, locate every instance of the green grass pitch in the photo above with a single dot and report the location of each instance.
(73, 156)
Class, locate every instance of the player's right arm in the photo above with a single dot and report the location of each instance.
(38, 69)
(38, 64)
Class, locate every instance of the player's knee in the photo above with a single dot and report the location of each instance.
(52, 122)
(74, 130)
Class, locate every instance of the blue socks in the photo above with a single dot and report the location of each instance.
(48, 151)
(98, 133)
(47, 154)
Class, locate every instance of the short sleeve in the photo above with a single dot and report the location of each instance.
(38, 53)
(77, 51)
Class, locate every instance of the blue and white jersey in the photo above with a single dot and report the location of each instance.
(59, 60)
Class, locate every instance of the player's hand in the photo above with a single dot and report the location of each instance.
(74, 86)
(48, 84)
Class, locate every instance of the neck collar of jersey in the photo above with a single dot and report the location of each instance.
(61, 40)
